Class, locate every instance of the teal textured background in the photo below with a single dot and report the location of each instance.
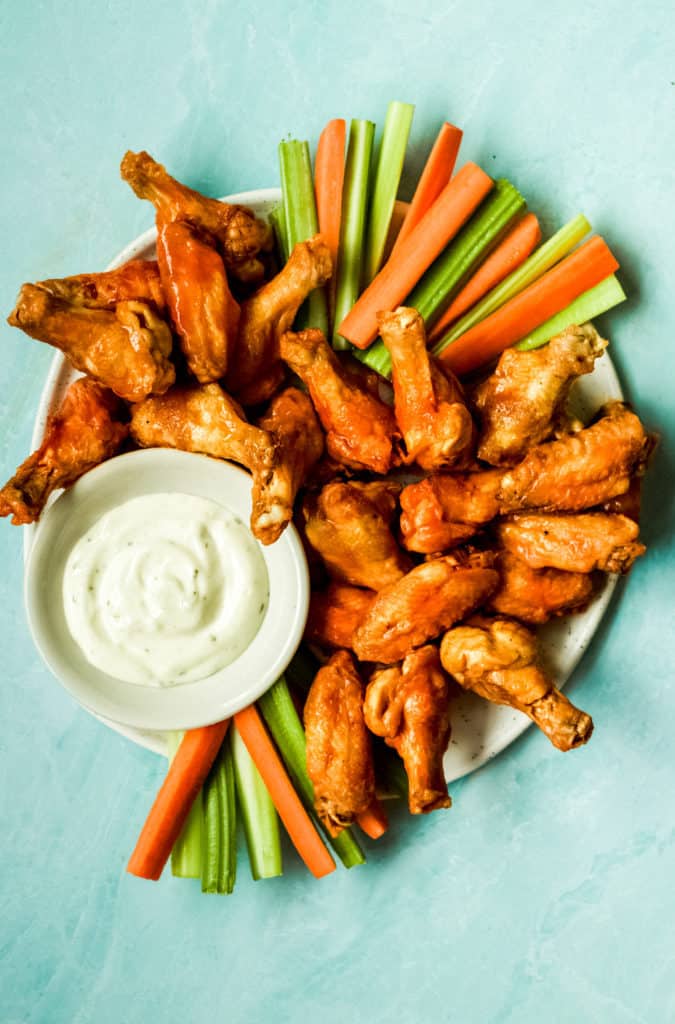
(546, 893)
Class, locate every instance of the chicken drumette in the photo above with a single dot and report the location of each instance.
(408, 705)
(360, 429)
(497, 659)
(136, 279)
(205, 419)
(127, 350)
(339, 748)
(422, 604)
(428, 402)
(239, 233)
(257, 369)
(298, 438)
(204, 313)
(523, 401)
(346, 528)
(536, 595)
(85, 430)
(575, 543)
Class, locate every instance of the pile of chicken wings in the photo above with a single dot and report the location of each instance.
(439, 527)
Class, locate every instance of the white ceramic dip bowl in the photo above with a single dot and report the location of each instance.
(181, 705)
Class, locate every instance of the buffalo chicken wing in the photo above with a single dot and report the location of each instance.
(339, 747)
(523, 402)
(85, 430)
(352, 537)
(422, 604)
(126, 349)
(428, 403)
(575, 543)
(408, 706)
(497, 659)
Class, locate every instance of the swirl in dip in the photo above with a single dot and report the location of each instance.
(164, 589)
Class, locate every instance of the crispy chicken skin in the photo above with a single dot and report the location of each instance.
(339, 747)
(126, 350)
(203, 311)
(203, 418)
(523, 402)
(383, 494)
(136, 279)
(353, 539)
(424, 603)
(359, 427)
(84, 431)
(408, 705)
(444, 510)
(335, 613)
(239, 233)
(497, 659)
(582, 469)
(298, 438)
(536, 595)
(575, 543)
(428, 403)
(257, 370)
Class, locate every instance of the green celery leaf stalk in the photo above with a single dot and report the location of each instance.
(261, 824)
(541, 260)
(186, 856)
(282, 719)
(297, 186)
(278, 221)
(385, 186)
(456, 265)
(352, 226)
(587, 306)
(219, 846)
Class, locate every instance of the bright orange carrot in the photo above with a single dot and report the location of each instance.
(297, 822)
(184, 779)
(397, 217)
(587, 266)
(513, 251)
(329, 172)
(374, 822)
(416, 253)
(435, 176)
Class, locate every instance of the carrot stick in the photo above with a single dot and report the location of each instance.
(398, 215)
(435, 176)
(587, 266)
(513, 251)
(416, 253)
(184, 779)
(297, 822)
(329, 173)
(373, 821)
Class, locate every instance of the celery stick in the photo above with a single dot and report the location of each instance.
(297, 187)
(352, 227)
(385, 187)
(219, 847)
(186, 856)
(456, 264)
(261, 825)
(278, 222)
(453, 268)
(389, 770)
(546, 256)
(303, 668)
(590, 304)
(279, 712)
